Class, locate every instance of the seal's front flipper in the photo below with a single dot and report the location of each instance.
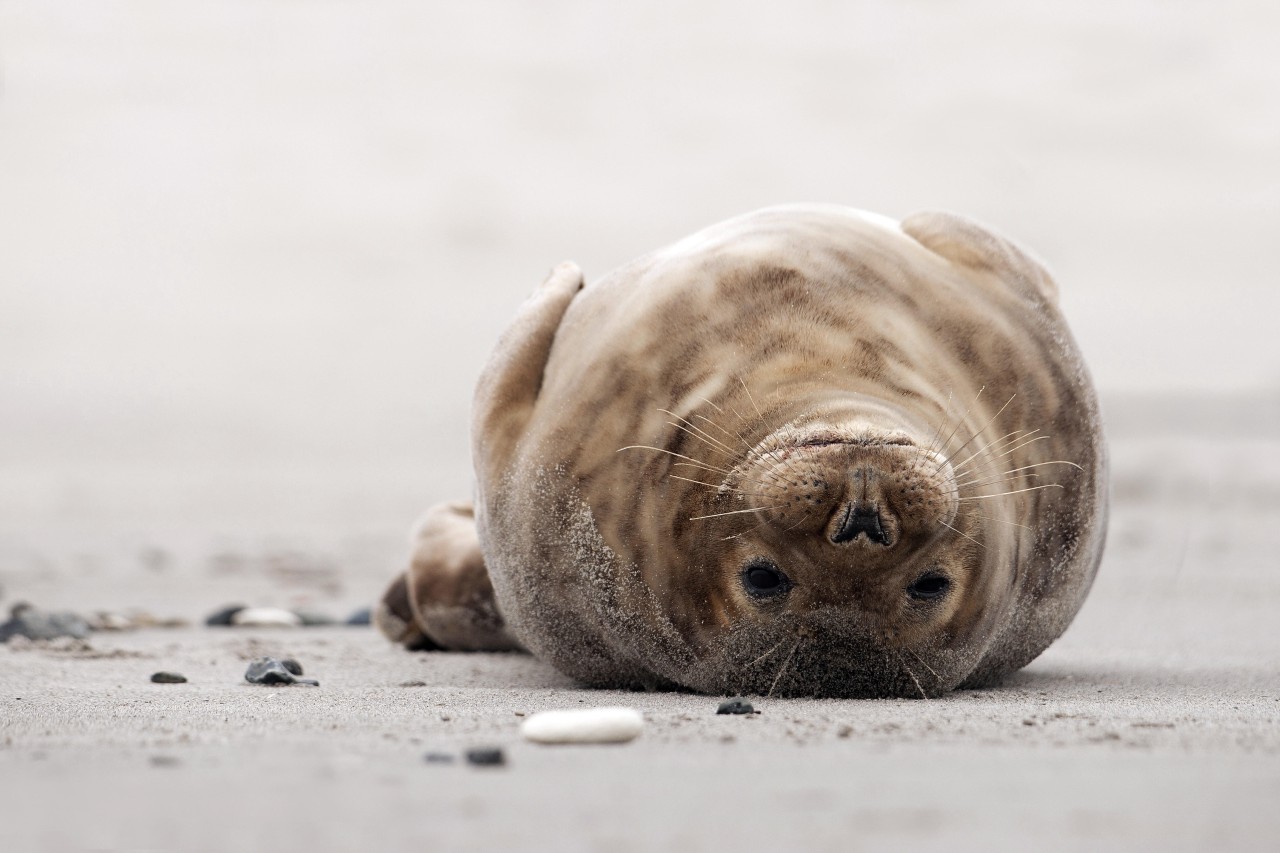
(445, 599)
(510, 382)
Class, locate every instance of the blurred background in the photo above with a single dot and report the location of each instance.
(253, 254)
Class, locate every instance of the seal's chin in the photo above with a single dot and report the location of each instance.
(825, 654)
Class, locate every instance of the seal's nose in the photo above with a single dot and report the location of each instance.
(861, 517)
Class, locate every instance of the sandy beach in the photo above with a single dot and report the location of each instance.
(253, 255)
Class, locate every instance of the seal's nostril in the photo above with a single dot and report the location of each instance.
(861, 518)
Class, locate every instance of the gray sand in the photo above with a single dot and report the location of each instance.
(1154, 722)
(252, 256)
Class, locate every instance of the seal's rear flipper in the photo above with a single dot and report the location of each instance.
(444, 600)
(977, 248)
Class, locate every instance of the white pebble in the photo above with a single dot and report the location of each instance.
(583, 725)
(266, 617)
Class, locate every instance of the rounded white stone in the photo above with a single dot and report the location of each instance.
(266, 617)
(584, 725)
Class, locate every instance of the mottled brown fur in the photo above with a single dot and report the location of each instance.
(844, 399)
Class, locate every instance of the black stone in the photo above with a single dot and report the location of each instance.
(292, 665)
(363, 616)
(735, 706)
(222, 618)
(168, 678)
(486, 757)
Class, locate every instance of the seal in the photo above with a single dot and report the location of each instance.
(810, 451)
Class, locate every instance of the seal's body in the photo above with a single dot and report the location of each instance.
(809, 451)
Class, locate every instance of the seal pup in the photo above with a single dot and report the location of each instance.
(809, 451)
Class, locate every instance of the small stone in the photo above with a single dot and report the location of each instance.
(735, 706)
(292, 665)
(274, 671)
(363, 616)
(168, 678)
(314, 618)
(441, 758)
(35, 624)
(486, 757)
(265, 617)
(105, 620)
(222, 618)
(584, 725)
(165, 761)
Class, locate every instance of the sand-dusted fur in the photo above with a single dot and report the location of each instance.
(808, 451)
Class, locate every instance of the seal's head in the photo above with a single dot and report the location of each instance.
(829, 559)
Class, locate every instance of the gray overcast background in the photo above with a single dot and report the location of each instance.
(252, 255)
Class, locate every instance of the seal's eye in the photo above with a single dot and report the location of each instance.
(929, 586)
(763, 579)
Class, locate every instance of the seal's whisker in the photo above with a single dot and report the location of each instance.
(703, 433)
(1052, 462)
(776, 646)
(914, 680)
(991, 447)
(925, 665)
(965, 535)
(759, 413)
(764, 421)
(725, 431)
(733, 512)
(752, 529)
(712, 405)
(768, 474)
(989, 422)
(1023, 468)
(783, 668)
(711, 468)
(933, 445)
(991, 458)
(703, 466)
(1027, 443)
(1014, 492)
(1001, 520)
(959, 421)
(690, 461)
(714, 486)
(993, 480)
(694, 433)
(798, 523)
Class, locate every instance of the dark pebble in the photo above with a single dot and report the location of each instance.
(735, 706)
(223, 617)
(165, 761)
(363, 616)
(486, 757)
(273, 671)
(440, 758)
(168, 678)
